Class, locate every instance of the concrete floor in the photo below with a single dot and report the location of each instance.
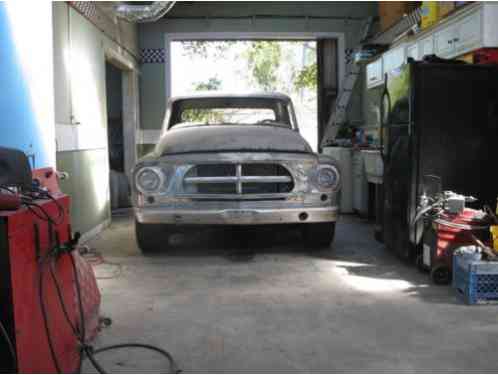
(219, 306)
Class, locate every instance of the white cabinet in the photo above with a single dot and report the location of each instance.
(426, 46)
(474, 27)
(374, 73)
(412, 51)
(467, 33)
(459, 37)
(394, 58)
(443, 41)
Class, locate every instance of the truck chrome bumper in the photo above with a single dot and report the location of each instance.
(237, 216)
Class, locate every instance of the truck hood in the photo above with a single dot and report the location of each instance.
(230, 138)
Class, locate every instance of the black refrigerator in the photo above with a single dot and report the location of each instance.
(436, 119)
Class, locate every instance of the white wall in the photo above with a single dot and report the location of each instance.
(80, 53)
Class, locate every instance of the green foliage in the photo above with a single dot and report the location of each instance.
(264, 58)
(206, 48)
(212, 84)
(203, 116)
(264, 61)
(306, 78)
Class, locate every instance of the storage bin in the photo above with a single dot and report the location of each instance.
(391, 12)
(476, 282)
(445, 8)
(430, 13)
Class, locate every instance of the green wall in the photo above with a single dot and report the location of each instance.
(87, 185)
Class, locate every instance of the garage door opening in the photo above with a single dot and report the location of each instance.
(245, 66)
(118, 181)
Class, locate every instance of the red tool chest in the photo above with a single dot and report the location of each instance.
(24, 238)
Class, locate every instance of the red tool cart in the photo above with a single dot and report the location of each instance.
(25, 238)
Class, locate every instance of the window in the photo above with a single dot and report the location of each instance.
(230, 111)
(227, 116)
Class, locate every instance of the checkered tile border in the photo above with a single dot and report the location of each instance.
(152, 56)
(88, 8)
(349, 55)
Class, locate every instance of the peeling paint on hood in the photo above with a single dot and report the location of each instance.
(226, 138)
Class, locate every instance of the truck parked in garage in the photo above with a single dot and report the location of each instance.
(233, 160)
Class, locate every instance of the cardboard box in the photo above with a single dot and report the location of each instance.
(430, 13)
(445, 8)
(391, 12)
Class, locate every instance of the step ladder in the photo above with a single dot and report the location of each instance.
(338, 117)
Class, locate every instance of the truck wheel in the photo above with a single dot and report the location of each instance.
(152, 238)
(319, 235)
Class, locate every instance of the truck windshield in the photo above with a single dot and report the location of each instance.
(230, 111)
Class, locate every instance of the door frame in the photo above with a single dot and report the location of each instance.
(130, 106)
(175, 37)
(282, 36)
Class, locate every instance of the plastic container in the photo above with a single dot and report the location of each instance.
(475, 281)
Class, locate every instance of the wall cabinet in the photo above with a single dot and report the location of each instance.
(394, 58)
(467, 33)
(426, 46)
(412, 51)
(444, 43)
(374, 73)
(459, 37)
(473, 27)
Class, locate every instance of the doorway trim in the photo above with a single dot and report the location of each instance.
(130, 106)
(175, 37)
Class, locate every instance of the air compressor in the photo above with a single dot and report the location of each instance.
(448, 224)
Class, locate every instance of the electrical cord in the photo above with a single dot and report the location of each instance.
(9, 342)
(81, 333)
(55, 360)
(37, 193)
(95, 258)
(61, 298)
(45, 216)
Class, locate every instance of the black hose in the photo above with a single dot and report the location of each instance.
(88, 350)
(46, 217)
(9, 342)
(43, 195)
(79, 333)
(173, 368)
(55, 360)
(61, 299)
(79, 299)
(60, 216)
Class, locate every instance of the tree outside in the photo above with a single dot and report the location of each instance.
(288, 67)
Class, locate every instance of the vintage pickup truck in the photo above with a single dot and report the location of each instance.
(233, 160)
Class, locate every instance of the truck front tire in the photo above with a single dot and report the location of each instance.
(152, 238)
(319, 235)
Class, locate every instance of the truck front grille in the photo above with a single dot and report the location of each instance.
(239, 180)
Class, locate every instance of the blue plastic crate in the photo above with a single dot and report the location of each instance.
(476, 282)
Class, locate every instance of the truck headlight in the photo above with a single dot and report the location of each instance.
(149, 180)
(328, 177)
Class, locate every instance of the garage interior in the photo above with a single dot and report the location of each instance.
(402, 275)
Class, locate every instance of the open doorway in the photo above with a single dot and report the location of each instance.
(118, 181)
(242, 66)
